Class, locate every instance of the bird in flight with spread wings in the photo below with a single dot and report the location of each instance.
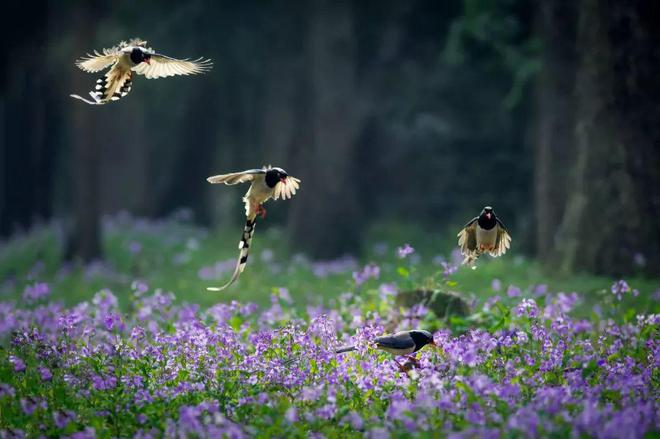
(266, 183)
(483, 234)
(128, 58)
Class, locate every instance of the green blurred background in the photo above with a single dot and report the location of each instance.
(401, 118)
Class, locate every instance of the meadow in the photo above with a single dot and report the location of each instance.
(135, 346)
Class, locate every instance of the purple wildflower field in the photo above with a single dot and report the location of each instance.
(524, 366)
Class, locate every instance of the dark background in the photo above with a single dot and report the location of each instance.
(407, 111)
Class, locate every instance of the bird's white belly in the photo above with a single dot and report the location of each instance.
(486, 238)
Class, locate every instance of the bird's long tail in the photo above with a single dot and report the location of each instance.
(244, 250)
(109, 87)
(345, 349)
(471, 257)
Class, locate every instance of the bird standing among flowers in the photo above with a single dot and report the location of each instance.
(483, 234)
(399, 344)
(266, 183)
(129, 57)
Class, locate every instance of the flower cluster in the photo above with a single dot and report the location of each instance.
(526, 367)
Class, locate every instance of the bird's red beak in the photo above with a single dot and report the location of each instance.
(283, 179)
(147, 61)
(488, 215)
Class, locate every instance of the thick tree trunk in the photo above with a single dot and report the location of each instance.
(85, 236)
(325, 214)
(555, 127)
(612, 210)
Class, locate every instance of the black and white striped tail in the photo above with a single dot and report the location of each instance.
(100, 93)
(244, 251)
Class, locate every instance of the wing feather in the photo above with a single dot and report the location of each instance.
(236, 177)
(400, 340)
(96, 62)
(162, 66)
(502, 242)
(286, 189)
(467, 237)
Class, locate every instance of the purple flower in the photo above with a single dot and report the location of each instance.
(496, 285)
(405, 251)
(283, 293)
(35, 292)
(370, 271)
(448, 269)
(620, 287)
(387, 290)
(291, 415)
(513, 291)
(45, 373)
(19, 365)
(134, 247)
(527, 307)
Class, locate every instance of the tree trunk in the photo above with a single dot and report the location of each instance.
(555, 101)
(84, 238)
(610, 221)
(325, 219)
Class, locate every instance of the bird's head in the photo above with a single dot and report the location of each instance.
(139, 55)
(487, 213)
(422, 338)
(275, 175)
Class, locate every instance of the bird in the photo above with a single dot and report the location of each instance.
(266, 183)
(399, 344)
(128, 58)
(483, 234)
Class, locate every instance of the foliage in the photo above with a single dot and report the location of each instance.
(523, 363)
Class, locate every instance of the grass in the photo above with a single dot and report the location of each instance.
(171, 253)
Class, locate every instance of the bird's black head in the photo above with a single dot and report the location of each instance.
(274, 176)
(487, 218)
(139, 56)
(421, 338)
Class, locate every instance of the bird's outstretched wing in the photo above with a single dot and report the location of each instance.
(467, 241)
(162, 66)
(467, 237)
(502, 241)
(236, 177)
(98, 61)
(286, 189)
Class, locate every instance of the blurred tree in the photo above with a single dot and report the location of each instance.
(613, 204)
(556, 25)
(325, 215)
(26, 153)
(87, 123)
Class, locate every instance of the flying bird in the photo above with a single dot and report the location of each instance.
(483, 234)
(128, 58)
(266, 183)
(401, 343)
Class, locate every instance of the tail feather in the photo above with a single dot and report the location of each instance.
(471, 258)
(244, 251)
(109, 88)
(345, 349)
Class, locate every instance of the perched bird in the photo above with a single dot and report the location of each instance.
(266, 183)
(129, 57)
(483, 234)
(401, 343)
